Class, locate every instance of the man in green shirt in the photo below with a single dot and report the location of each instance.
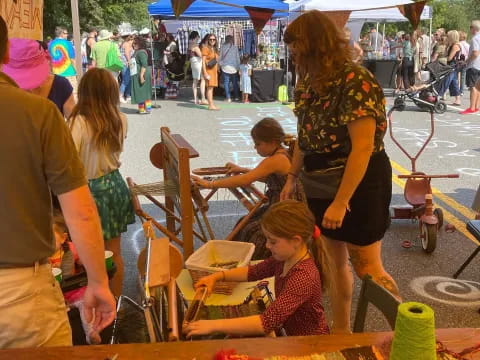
(101, 48)
(38, 156)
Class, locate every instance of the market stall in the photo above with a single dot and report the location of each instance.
(264, 49)
(382, 64)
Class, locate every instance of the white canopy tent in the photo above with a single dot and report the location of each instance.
(348, 5)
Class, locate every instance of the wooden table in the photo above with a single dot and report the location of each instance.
(454, 339)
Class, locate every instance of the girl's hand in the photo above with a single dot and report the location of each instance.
(288, 189)
(233, 168)
(142, 80)
(201, 327)
(201, 182)
(208, 282)
(333, 217)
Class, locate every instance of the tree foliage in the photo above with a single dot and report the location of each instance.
(107, 14)
(448, 14)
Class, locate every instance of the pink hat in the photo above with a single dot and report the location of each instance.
(28, 64)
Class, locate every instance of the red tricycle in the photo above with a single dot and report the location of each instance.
(418, 194)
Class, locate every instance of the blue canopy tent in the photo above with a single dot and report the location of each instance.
(206, 10)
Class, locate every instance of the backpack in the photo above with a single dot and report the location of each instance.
(113, 63)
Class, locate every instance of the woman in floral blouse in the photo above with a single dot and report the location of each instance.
(340, 158)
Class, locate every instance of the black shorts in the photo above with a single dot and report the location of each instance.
(369, 215)
(471, 77)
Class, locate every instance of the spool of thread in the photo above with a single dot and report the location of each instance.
(414, 333)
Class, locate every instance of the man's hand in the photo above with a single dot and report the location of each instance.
(99, 306)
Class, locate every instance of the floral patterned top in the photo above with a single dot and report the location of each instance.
(323, 119)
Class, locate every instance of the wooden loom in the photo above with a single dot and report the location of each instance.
(184, 202)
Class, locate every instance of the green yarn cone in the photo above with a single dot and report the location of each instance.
(414, 333)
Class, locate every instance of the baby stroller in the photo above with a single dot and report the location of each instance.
(175, 72)
(426, 96)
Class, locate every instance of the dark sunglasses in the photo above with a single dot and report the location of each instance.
(212, 39)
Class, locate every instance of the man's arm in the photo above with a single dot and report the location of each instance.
(83, 223)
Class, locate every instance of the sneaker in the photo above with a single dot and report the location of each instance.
(122, 100)
(468, 111)
(229, 100)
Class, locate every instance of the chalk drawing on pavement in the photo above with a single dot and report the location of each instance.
(447, 290)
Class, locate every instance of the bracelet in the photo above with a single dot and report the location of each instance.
(294, 175)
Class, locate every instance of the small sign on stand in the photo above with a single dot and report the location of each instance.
(24, 18)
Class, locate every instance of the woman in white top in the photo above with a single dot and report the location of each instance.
(171, 48)
(195, 55)
(98, 130)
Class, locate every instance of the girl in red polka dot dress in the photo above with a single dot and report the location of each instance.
(288, 227)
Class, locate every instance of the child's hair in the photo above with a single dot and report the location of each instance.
(245, 58)
(59, 221)
(61, 225)
(288, 218)
(268, 130)
(98, 102)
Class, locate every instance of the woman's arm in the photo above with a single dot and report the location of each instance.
(362, 133)
(277, 163)
(297, 164)
(68, 106)
(204, 65)
(197, 51)
(250, 325)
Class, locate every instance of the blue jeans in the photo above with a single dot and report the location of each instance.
(126, 86)
(450, 83)
(226, 85)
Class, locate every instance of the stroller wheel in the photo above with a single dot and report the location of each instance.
(399, 104)
(440, 107)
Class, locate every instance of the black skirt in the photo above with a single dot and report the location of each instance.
(369, 215)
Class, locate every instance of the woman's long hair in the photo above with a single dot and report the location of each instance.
(320, 48)
(213, 48)
(98, 103)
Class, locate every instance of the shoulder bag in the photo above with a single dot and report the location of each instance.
(113, 62)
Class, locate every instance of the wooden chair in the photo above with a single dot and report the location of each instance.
(381, 298)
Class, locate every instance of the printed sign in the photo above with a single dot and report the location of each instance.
(24, 18)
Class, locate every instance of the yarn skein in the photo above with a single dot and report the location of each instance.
(414, 333)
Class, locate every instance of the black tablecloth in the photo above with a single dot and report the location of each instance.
(265, 85)
(384, 71)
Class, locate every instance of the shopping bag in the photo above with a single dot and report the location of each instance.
(132, 65)
(113, 63)
(282, 93)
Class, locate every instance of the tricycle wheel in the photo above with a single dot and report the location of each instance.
(399, 104)
(439, 215)
(429, 237)
(440, 107)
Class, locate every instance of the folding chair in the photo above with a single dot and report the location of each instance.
(380, 297)
(473, 226)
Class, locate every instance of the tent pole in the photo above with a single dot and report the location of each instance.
(376, 40)
(430, 41)
(76, 39)
(154, 105)
(383, 33)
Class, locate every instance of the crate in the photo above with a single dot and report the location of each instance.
(215, 251)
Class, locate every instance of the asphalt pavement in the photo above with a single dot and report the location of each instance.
(222, 136)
